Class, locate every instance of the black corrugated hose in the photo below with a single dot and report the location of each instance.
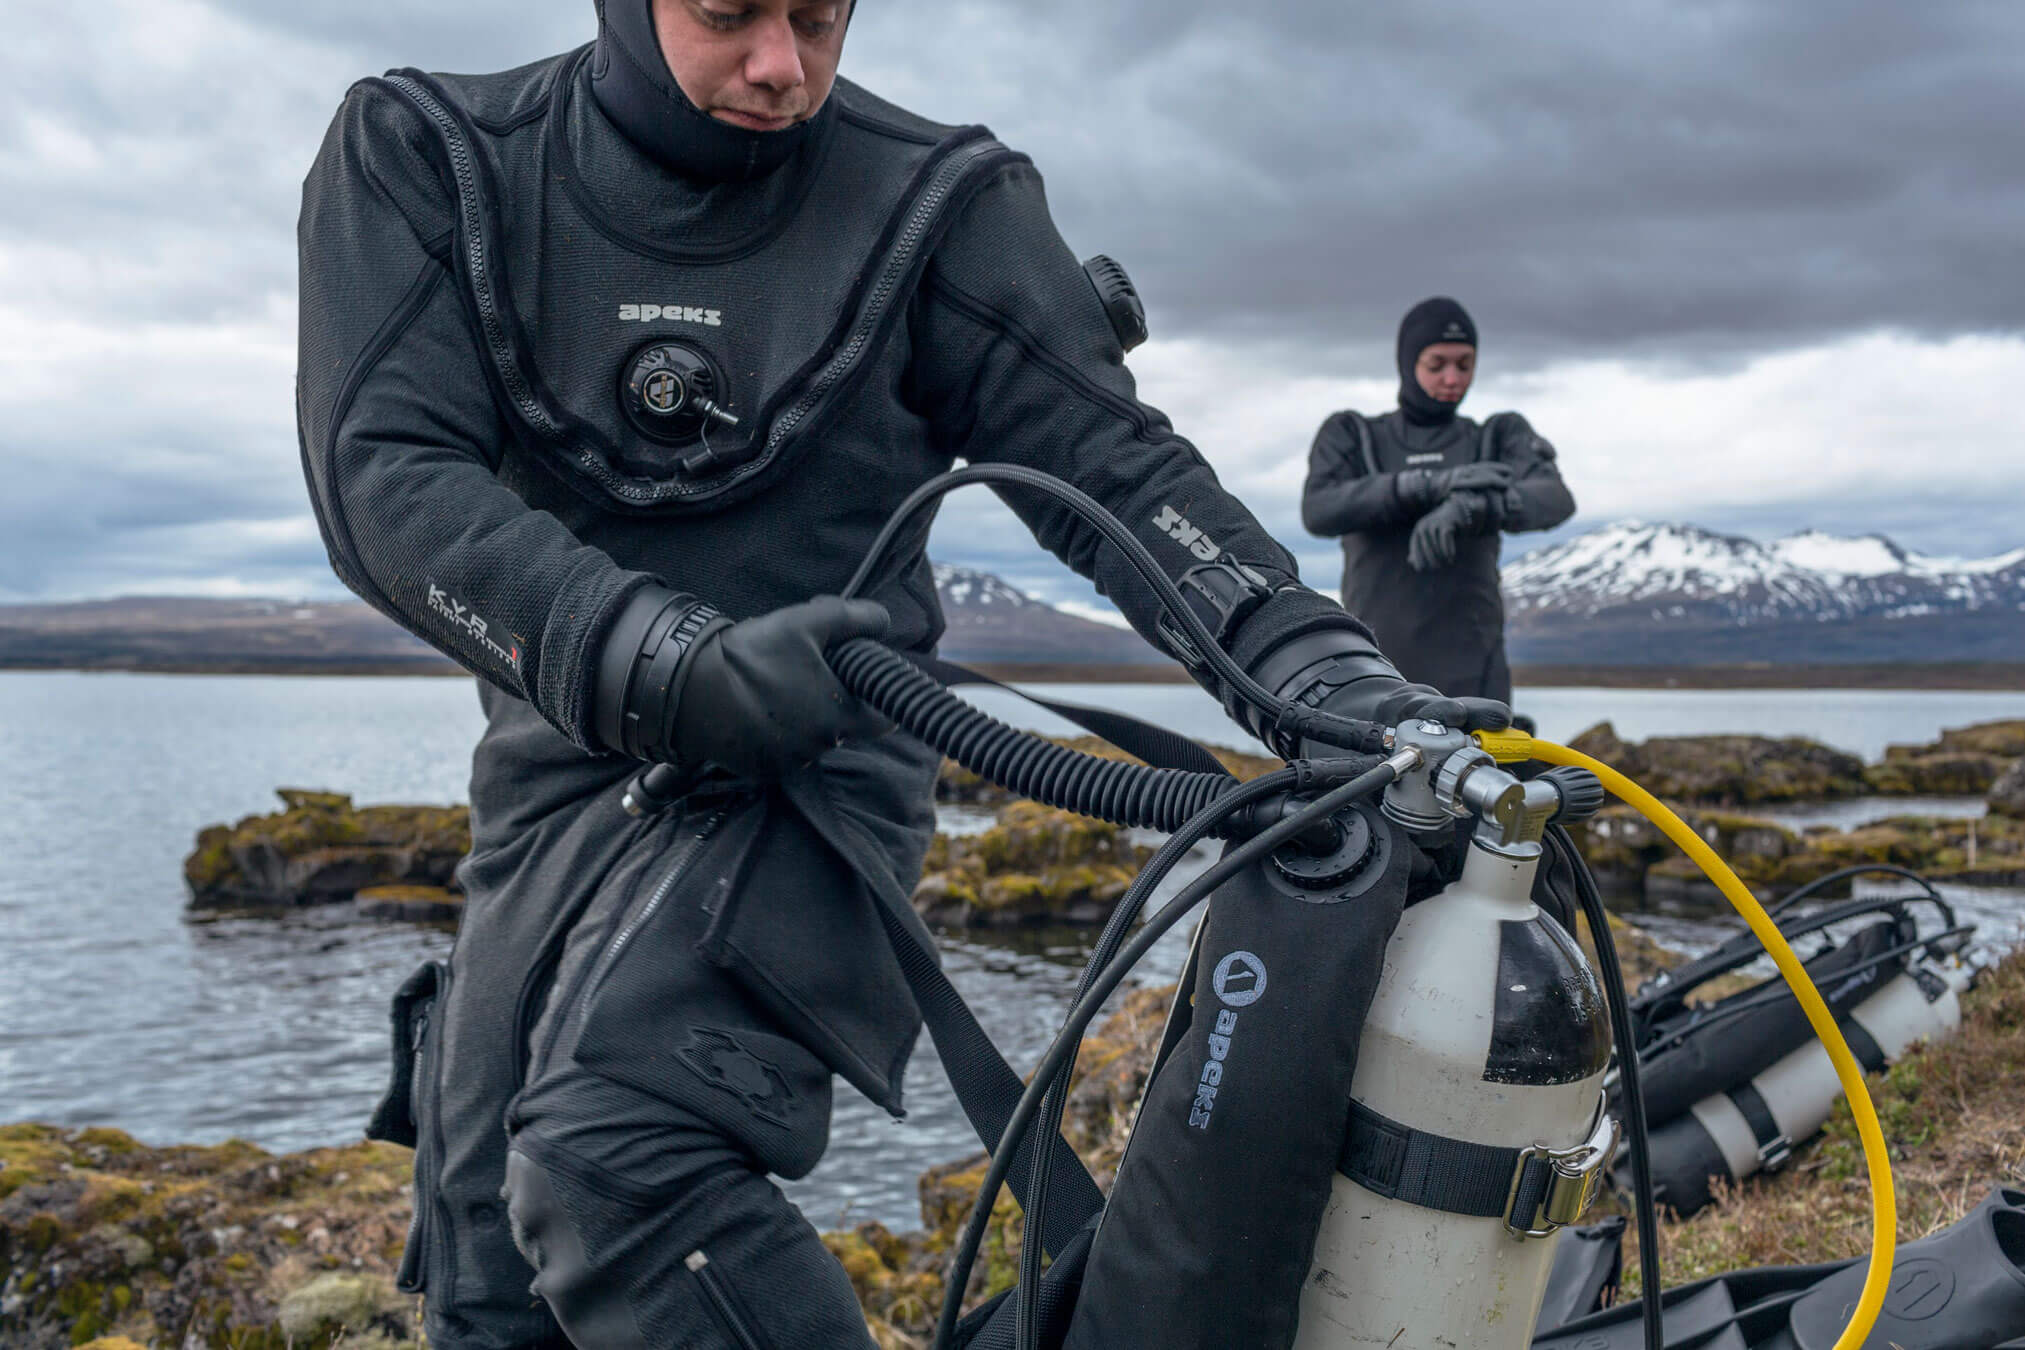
(1120, 792)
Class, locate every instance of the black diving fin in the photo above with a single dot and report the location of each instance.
(1961, 1289)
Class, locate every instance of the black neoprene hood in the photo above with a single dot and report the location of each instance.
(1438, 319)
(632, 83)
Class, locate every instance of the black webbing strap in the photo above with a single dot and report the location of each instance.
(989, 1090)
(1863, 1045)
(1158, 746)
(1774, 1148)
(1436, 1172)
(986, 1086)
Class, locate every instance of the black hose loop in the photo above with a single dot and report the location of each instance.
(1132, 795)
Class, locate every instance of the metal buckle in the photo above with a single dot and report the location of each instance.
(1774, 1153)
(1577, 1176)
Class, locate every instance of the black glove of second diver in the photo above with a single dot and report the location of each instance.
(1438, 536)
(1423, 489)
(681, 684)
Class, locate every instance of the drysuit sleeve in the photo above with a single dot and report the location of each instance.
(400, 436)
(1537, 498)
(1341, 496)
(1015, 362)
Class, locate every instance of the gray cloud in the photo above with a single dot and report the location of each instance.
(1685, 184)
(1704, 178)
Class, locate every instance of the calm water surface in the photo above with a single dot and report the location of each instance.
(117, 1008)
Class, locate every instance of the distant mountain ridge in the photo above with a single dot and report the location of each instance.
(1630, 594)
(989, 622)
(1635, 593)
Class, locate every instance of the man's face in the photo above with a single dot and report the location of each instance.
(1445, 370)
(758, 64)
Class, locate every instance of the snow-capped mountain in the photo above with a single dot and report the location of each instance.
(993, 622)
(1687, 594)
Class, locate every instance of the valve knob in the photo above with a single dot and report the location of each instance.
(1581, 792)
(1120, 299)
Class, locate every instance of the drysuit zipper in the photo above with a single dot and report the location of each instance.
(898, 262)
(475, 252)
(413, 1275)
(595, 975)
(734, 1322)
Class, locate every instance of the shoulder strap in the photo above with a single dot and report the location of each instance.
(1158, 746)
(986, 1086)
(989, 1091)
(1364, 446)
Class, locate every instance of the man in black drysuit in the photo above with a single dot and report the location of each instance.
(611, 367)
(1420, 496)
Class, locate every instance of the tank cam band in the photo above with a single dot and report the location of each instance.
(642, 667)
(1534, 1190)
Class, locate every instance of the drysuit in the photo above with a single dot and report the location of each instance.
(1443, 624)
(646, 1015)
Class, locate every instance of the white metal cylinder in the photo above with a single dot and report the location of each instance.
(1392, 1274)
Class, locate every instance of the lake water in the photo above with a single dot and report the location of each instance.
(117, 1008)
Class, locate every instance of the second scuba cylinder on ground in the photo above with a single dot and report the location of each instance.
(1478, 1125)
(1754, 1125)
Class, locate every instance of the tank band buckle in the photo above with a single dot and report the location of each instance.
(1553, 1187)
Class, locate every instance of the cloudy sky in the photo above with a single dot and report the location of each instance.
(1749, 263)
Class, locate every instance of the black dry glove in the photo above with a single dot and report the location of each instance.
(1439, 534)
(680, 684)
(1340, 671)
(1421, 490)
(759, 699)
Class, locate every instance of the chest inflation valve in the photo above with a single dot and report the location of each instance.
(669, 391)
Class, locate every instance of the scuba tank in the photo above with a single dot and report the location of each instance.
(1732, 1086)
(1367, 1128)
(1753, 1125)
(1477, 1125)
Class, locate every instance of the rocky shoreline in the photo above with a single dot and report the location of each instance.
(109, 1243)
(1038, 866)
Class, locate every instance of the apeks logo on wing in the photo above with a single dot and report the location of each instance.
(1240, 981)
(708, 318)
(459, 613)
(1176, 527)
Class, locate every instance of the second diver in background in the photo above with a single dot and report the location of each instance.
(1420, 496)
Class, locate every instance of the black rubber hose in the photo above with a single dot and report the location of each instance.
(1296, 721)
(1819, 884)
(1775, 990)
(1069, 1039)
(1622, 1031)
(1122, 793)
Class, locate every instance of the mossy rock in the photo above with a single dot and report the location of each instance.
(191, 1246)
(2007, 794)
(1729, 770)
(1940, 774)
(342, 1303)
(2005, 740)
(321, 849)
(1035, 866)
(412, 904)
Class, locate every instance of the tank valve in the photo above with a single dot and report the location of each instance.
(1582, 794)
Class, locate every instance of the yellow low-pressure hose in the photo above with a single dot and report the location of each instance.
(1509, 747)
